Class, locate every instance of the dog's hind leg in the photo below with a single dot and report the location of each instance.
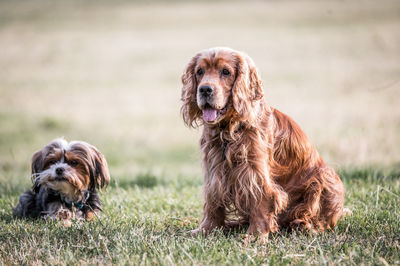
(321, 202)
(333, 201)
(26, 206)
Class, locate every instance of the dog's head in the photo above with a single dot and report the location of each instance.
(219, 84)
(70, 168)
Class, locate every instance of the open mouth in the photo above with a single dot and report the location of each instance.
(210, 114)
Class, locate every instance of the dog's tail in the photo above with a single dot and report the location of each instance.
(26, 206)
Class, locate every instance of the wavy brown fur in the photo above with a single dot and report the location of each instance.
(260, 167)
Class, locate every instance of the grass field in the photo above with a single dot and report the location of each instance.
(109, 73)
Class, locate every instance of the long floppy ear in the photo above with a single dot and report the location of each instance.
(37, 162)
(189, 110)
(99, 174)
(247, 90)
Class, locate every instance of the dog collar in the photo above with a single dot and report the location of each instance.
(77, 204)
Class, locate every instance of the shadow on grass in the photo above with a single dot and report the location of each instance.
(144, 180)
(150, 180)
(369, 174)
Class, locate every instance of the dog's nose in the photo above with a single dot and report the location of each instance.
(59, 170)
(205, 90)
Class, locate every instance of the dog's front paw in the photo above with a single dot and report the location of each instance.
(260, 238)
(302, 225)
(64, 214)
(90, 215)
(195, 232)
(67, 223)
(199, 231)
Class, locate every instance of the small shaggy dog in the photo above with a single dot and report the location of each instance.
(260, 168)
(66, 177)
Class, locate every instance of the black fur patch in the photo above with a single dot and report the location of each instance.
(34, 203)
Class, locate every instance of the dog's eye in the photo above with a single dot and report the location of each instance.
(52, 161)
(200, 72)
(225, 72)
(73, 163)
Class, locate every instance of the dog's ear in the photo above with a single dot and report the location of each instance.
(189, 110)
(37, 162)
(247, 89)
(99, 173)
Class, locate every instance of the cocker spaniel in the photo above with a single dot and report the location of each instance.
(260, 169)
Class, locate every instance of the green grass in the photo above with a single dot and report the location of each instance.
(147, 221)
(109, 73)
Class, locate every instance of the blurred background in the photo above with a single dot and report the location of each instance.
(108, 72)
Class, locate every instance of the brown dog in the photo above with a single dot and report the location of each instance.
(260, 167)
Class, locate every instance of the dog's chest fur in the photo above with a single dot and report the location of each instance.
(235, 167)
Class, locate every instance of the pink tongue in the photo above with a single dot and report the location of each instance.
(209, 114)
